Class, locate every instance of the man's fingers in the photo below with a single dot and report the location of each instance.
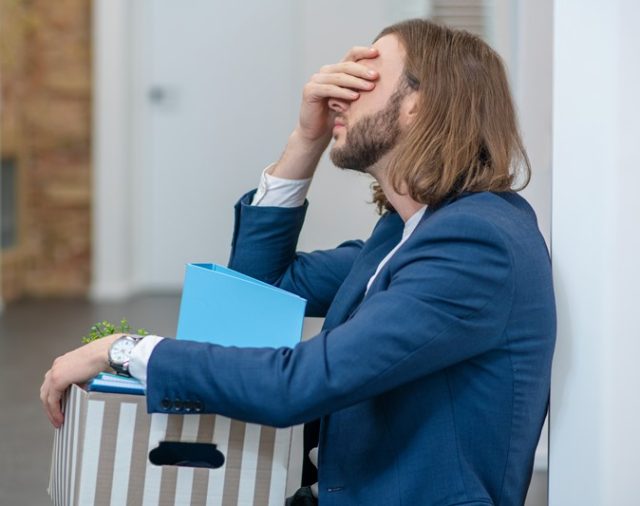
(50, 396)
(344, 81)
(358, 52)
(76, 366)
(50, 417)
(352, 68)
(43, 395)
(322, 91)
(44, 398)
(54, 411)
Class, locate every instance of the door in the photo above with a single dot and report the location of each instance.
(213, 106)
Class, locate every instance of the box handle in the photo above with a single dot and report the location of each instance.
(178, 453)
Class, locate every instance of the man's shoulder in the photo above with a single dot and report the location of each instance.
(472, 213)
(504, 211)
(503, 201)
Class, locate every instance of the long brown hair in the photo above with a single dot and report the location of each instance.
(465, 136)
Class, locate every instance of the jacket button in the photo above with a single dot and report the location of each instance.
(166, 404)
(197, 406)
(188, 406)
(177, 405)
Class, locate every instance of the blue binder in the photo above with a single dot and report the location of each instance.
(222, 306)
(112, 383)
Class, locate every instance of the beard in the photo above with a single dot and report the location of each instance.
(371, 137)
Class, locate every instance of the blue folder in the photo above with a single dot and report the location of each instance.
(113, 383)
(222, 306)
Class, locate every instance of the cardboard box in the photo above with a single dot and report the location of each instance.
(101, 456)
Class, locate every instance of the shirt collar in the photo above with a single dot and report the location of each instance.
(413, 221)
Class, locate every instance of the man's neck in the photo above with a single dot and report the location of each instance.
(403, 204)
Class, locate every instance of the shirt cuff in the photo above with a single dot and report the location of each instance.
(278, 192)
(140, 358)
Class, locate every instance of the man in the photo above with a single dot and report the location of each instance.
(429, 382)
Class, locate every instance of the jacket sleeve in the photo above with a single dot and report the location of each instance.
(449, 299)
(264, 246)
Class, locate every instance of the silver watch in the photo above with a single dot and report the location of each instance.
(120, 353)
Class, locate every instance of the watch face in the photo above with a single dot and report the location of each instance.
(121, 350)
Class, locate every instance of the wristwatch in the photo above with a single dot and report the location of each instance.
(120, 353)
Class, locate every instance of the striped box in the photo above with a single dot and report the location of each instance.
(100, 457)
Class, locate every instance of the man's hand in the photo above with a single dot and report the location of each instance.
(77, 366)
(339, 82)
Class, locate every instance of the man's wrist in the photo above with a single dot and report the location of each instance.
(140, 357)
(119, 351)
(102, 351)
(319, 144)
(300, 157)
(277, 192)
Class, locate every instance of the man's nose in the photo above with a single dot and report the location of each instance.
(337, 105)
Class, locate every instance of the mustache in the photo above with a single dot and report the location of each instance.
(340, 119)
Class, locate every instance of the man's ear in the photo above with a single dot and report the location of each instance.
(410, 108)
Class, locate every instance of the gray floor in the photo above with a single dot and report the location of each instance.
(32, 334)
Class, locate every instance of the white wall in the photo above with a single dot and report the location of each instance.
(225, 70)
(595, 406)
(168, 173)
(112, 197)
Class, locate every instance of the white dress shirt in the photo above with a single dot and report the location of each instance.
(272, 191)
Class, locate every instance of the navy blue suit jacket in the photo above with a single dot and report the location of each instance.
(431, 389)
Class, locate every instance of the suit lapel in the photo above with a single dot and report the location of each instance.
(351, 292)
(382, 275)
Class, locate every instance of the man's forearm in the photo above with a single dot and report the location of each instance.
(300, 157)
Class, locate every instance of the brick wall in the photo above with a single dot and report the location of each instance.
(45, 76)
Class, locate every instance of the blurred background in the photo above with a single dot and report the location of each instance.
(128, 130)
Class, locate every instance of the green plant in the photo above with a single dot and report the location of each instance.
(105, 328)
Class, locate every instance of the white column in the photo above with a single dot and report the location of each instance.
(112, 249)
(532, 85)
(594, 436)
(531, 76)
